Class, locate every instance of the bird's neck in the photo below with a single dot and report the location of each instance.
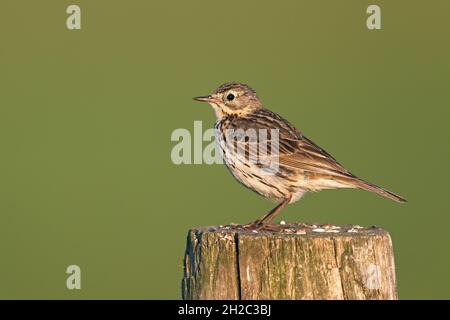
(222, 113)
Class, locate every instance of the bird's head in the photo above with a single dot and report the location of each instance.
(232, 98)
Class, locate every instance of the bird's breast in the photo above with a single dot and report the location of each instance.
(272, 183)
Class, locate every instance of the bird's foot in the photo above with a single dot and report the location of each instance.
(253, 225)
(261, 226)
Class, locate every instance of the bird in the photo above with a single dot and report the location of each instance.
(301, 165)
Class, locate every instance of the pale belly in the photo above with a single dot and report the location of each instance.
(269, 182)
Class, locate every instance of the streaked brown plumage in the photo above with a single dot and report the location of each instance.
(302, 165)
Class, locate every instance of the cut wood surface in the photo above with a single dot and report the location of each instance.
(300, 261)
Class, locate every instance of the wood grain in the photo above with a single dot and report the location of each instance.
(294, 262)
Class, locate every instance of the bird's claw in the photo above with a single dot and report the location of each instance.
(260, 226)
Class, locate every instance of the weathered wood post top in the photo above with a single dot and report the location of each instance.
(297, 261)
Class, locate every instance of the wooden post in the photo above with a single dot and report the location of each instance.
(295, 262)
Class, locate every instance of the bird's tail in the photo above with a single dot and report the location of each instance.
(381, 191)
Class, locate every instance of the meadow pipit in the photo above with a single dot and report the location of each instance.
(301, 165)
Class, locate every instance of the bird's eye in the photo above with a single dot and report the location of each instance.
(230, 97)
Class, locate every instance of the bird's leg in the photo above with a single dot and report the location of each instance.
(277, 210)
(254, 224)
(269, 216)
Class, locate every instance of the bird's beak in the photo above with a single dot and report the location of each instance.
(205, 99)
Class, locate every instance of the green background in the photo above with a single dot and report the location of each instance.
(86, 117)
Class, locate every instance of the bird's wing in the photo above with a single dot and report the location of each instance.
(304, 154)
(295, 150)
